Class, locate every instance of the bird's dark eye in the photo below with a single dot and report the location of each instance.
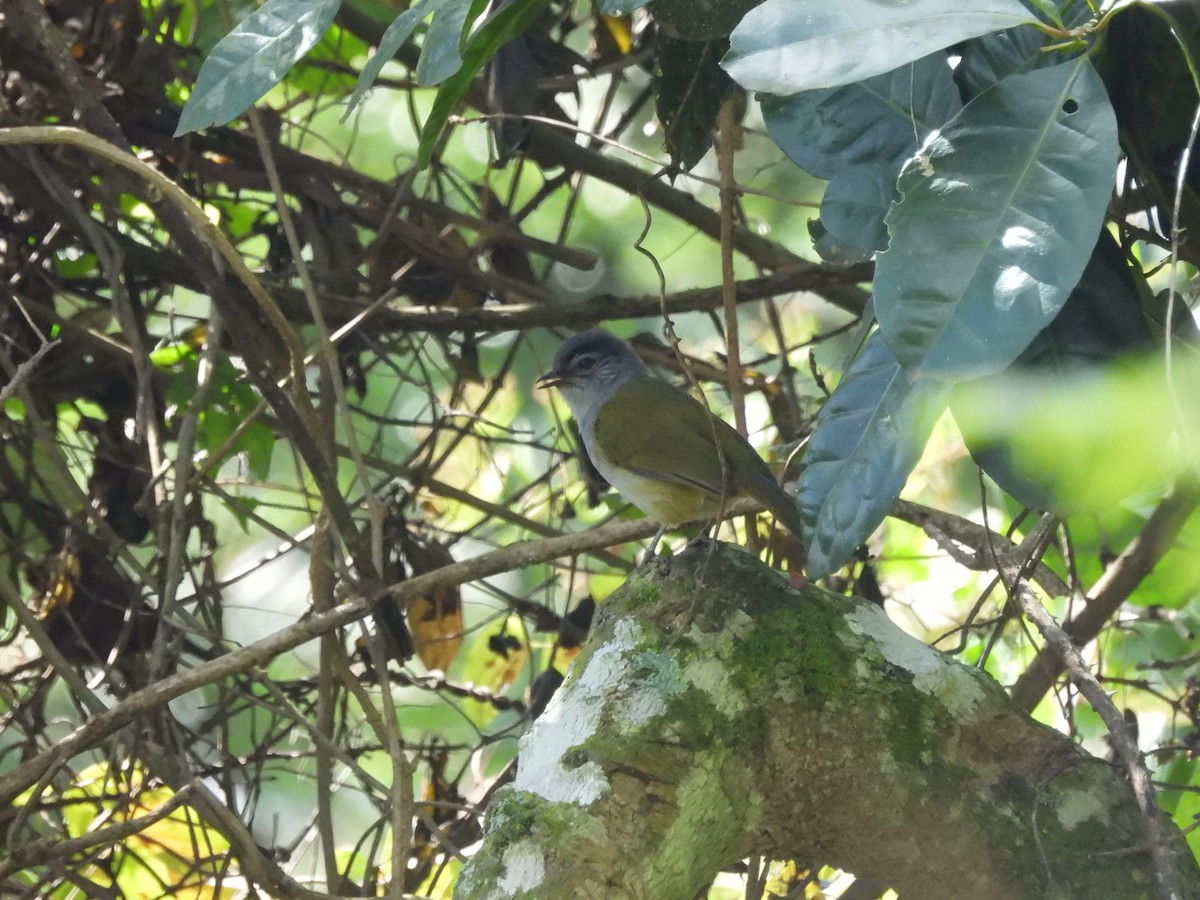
(585, 362)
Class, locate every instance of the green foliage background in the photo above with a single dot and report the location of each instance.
(976, 238)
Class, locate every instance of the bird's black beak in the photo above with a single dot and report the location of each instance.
(549, 380)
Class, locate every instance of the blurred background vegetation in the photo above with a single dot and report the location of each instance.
(188, 467)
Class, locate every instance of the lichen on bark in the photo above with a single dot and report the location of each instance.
(733, 714)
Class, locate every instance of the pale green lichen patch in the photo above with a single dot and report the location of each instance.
(712, 676)
(954, 687)
(571, 719)
(524, 868)
(1077, 807)
(622, 682)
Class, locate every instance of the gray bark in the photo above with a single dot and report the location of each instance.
(717, 712)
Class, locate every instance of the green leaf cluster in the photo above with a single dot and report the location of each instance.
(461, 36)
(982, 183)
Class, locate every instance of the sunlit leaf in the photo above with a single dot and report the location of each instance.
(998, 217)
(1083, 442)
(786, 46)
(436, 624)
(253, 58)
(1100, 322)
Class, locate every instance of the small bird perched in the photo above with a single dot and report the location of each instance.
(655, 443)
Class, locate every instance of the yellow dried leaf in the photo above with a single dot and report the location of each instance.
(436, 624)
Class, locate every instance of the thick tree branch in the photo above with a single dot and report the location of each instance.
(717, 713)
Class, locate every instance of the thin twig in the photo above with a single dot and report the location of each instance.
(25, 370)
(260, 652)
(1112, 589)
(1121, 737)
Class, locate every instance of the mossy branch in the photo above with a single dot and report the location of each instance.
(718, 712)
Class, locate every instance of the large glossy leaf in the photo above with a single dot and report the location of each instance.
(393, 39)
(856, 202)
(881, 120)
(857, 137)
(253, 58)
(988, 60)
(867, 439)
(786, 46)
(998, 217)
(1101, 322)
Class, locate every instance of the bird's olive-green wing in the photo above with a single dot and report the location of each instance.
(661, 432)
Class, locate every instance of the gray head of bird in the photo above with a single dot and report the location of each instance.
(589, 367)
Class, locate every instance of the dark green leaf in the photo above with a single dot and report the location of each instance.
(501, 27)
(881, 120)
(258, 443)
(833, 250)
(988, 60)
(867, 439)
(786, 46)
(253, 58)
(173, 354)
(393, 39)
(856, 202)
(440, 54)
(689, 88)
(857, 137)
(998, 217)
(81, 266)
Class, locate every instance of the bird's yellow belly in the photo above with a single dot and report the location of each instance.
(664, 501)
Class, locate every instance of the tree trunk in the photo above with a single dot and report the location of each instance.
(717, 712)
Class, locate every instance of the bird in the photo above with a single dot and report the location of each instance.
(655, 443)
